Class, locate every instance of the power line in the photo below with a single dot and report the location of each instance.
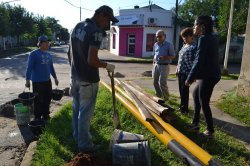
(78, 6)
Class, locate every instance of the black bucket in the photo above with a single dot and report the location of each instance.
(26, 98)
(36, 126)
(57, 94)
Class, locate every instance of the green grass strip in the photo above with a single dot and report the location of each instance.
(56, 146)
(236, 106)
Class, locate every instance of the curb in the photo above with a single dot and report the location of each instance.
(126, 61)
(27, 159)
(28, 156)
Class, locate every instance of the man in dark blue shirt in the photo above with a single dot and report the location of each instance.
(85, 42)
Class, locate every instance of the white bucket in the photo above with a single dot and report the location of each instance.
(120, 136)
(131, 154)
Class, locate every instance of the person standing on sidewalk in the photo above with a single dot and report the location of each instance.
(206, 70)
(185, 62)
(163, 54)
(40, 67)
(85, 42)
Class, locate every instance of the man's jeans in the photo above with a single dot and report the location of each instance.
(160, 74)
(84, 100)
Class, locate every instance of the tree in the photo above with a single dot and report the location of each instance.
(190, 9)
(244, 78)
(54, 26)
(64, 34)
(4, 22)
(42, 27)
(239, 19)
(20, 21)
(219, 10)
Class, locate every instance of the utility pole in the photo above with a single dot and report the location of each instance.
(175, 25)
(225, 69)
(80, 11)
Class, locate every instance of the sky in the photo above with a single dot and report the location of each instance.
(68, 12)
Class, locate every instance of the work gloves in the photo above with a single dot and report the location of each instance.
(110, 67)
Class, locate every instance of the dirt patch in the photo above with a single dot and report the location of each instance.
(89, 160)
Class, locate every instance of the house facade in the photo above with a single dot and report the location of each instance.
(134, 34)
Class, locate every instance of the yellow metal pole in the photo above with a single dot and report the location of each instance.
(193, 148)
(158, 131)
(164, 137)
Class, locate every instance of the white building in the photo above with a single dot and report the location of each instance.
(134, 34)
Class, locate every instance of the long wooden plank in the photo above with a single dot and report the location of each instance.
(149, 103)
(155, 98)
(145, 114)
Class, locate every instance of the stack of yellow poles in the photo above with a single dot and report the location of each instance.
(187, 150)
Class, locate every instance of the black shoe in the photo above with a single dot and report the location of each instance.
(193, 127)
(183, 111)
(207, 135)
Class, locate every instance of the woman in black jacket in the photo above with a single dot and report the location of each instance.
(206, 71)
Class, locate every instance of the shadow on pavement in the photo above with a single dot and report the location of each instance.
(27, 134)
(17, 64)
(240, 132)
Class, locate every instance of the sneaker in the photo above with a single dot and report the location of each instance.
(208, 134)
(193, 127)
(183, 111)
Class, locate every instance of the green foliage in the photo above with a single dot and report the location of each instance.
(56, 145)
(239, 17)
(4, 20)
(237, 106)
(190, 9)
(220, 10)
(16, 21)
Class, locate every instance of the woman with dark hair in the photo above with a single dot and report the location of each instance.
(206, 71)
(185, 62)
